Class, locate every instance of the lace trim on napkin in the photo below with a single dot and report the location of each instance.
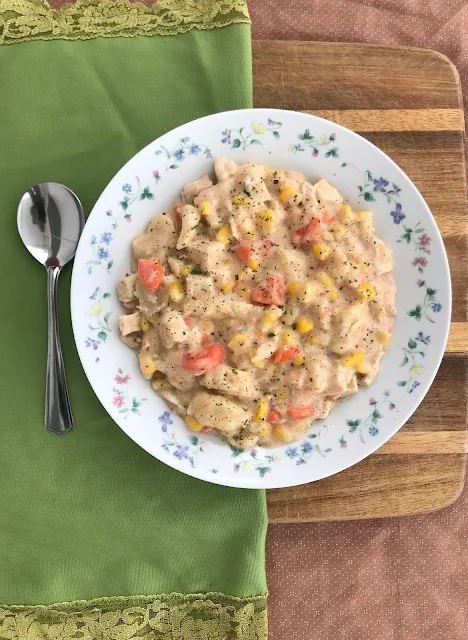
(211, 616)
(23, 20)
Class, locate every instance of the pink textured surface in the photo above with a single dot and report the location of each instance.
(399, 579)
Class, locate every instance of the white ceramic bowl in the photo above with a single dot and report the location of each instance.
(367, 178)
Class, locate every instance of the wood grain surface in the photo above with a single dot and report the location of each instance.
(407, 102)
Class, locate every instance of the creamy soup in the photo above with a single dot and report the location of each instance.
(257, 301)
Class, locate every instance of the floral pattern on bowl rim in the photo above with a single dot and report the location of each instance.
(367, 178)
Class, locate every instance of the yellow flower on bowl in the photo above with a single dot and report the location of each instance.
(258, 128)
(95, 309)
(415, 371)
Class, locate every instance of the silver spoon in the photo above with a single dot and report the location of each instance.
(50, 222)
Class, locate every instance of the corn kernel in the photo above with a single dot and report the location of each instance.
(176, 291)
(298, 360)
(253, 264)
(303, 291)
(238, 343)
(305, 325)
(271, 369)
(147, 366)
(204, 208)
(287, 195)
(346, 214)
(228, 287)
(337, 230)
(333, 295)
(362, 368)
(248, 228)
(366, 292)
(353, 360)
(268, 320)
(364, 214)
(281, 434)
(193, 424)
(383, 337)
(324, 279)
(258, 363)
(265, 429)
(245, 292)
(222, 235)
(144, 324)
(187, 270)
(265, 221)
(241, 201)
(321, 250)
(262, 410)
(288, 338)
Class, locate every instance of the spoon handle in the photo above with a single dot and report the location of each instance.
(58, 416)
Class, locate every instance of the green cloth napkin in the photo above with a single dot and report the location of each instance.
(90, 515)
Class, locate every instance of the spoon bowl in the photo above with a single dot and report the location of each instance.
(50, 222)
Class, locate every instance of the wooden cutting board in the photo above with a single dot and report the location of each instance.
(407, 102)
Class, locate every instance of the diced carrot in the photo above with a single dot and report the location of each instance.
(284, 354)
(300, 412)
(205, 338)
(328, 217)
(205, 360)
(150, 273)
(270, 291)
(309, 234)
(245, 249)
(187, 321)
(323, 315)
(273, 416)
(207, 429)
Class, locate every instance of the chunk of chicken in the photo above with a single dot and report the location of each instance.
(326, 193)
(199, 293)
(318, 367)
(160, 236)
(194, 188)
(222, 413)
(235, 382)
(233, 306)
(293, 264)
(224, 168)
(129, 323)
(207, 254)
(149, 303)
(174, 330)
(341, 380)
(190, 219)
(381, 256)
(126, 288)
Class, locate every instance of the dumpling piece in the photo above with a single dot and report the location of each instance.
(219, 412)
